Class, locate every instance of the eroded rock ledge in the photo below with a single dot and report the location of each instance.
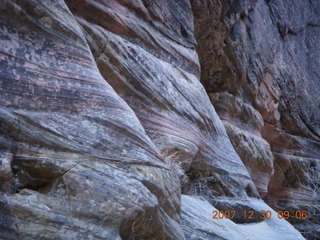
(107, 116)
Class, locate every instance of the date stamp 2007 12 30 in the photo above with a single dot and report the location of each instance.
(263, 214)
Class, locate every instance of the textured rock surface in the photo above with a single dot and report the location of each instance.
(259, 63)
(195, 223)
(104, 120)
(82, 166)
(152, 64)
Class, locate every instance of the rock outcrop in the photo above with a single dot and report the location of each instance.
(108, 122)
(78, 164)
(259, 63)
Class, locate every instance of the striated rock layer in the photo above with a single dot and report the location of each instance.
(259, 64)
(154, 67)
(104, 120)
(77, 162)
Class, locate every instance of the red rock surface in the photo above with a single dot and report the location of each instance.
(108, 114)
(259, 62)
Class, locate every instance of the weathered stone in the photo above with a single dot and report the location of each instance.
(82, 165)
(255, 153)
(167, 97)
(104, 119)
(197, 223)
(259, 60)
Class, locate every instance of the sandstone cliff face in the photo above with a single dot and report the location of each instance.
(260, 67)
(105, 121)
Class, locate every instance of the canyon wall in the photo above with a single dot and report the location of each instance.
(135, 119)
(259, 62)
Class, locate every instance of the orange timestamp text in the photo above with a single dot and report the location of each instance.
(262, 214)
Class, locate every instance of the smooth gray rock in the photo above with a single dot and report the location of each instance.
(197, 223)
